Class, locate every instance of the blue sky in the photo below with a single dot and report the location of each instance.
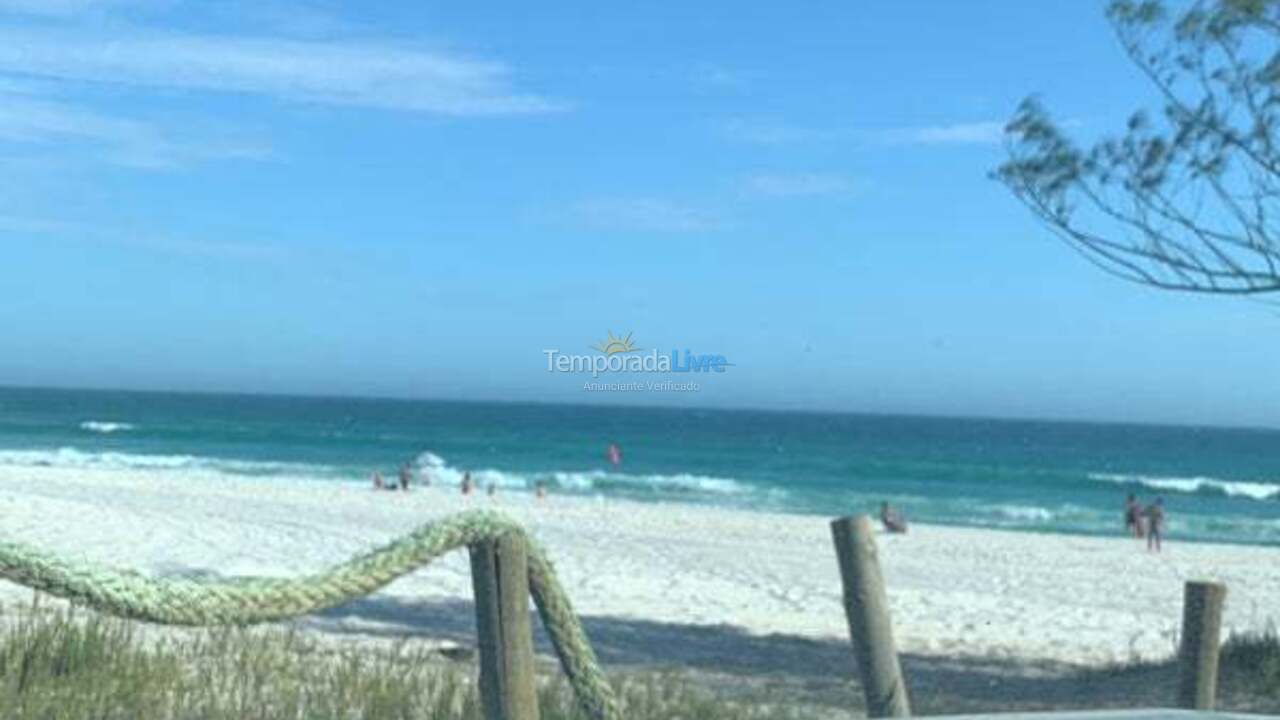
(416, 199)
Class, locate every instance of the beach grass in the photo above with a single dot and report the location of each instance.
(58, 663)
(1252, 663)
(81, 666)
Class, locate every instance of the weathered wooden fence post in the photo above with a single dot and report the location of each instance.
(1201, 641)
(500, 579)
(867, 609)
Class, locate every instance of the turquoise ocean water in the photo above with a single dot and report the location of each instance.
(1218, 484)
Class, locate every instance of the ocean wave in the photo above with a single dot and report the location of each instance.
(432, 466)
(600, 480)
(428, 465)
(105, 427)
(1025, 513)
(78, 459)
(1194, 485)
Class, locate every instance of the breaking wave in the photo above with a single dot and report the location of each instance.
(104, 427)
(429, 467)
(433, 467)
(1195, 485)
(78, 459)
(1024, 513)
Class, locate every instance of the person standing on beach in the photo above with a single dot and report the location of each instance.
(406, 475)
(1133, 516)
(377, 480)
(892, 521)
(1155, 524)
(466, 483)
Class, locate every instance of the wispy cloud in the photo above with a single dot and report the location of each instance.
(987, 132)
(781, 133)
(720, 78)
(771, 132)
(638, 214)
(218, 249)
(125, 141)
(384, 76)
(76, 232)
(32, 226)
(799, 185)
(62, 8)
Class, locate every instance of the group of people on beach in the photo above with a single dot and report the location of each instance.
(1146, 521)
(402, 482)
(466, 486)
(1139, 521)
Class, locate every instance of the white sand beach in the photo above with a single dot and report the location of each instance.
(953, 591)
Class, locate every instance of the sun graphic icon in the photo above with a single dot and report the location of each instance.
(615, 345)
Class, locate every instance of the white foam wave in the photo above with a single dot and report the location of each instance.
(599, 479)
(429, 466)
(105, 427)
(429, 460)
(433, 467)
(1025, 513)
(77, 459)
(1233, 488)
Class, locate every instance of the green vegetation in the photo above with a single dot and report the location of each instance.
(70, 666)
(1184, 200)
(1251, 663)
(1248, 679)
(83, 666)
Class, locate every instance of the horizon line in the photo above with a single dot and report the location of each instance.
(644, 406)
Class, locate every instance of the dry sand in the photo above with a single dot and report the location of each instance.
(650, 575)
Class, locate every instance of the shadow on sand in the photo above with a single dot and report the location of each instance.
(815, 673)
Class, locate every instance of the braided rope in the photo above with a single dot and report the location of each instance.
(256, 600)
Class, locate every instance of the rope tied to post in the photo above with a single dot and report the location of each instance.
(195, 602)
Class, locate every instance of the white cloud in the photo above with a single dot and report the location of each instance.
(326, 72)
(642, 215)
(799, 185)
(124, 141)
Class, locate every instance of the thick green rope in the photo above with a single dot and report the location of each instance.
(255, 600)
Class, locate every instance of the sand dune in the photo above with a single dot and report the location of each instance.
(953, 591)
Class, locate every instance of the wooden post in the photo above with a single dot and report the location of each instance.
(499, 577)
(867, 609)
(1201, 641)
